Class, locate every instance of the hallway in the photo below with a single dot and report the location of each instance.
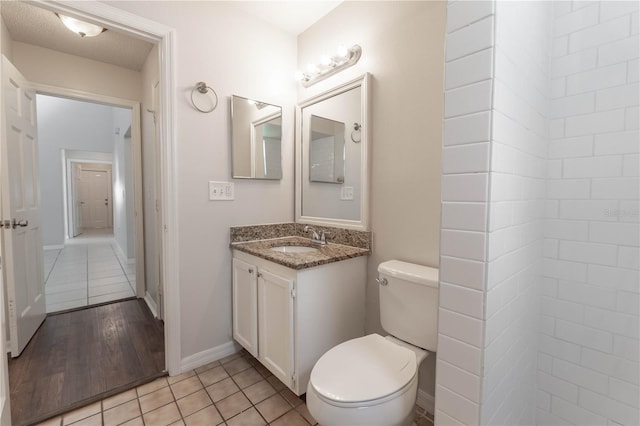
(87, 272)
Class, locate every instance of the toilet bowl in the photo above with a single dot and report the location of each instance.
(373, 380)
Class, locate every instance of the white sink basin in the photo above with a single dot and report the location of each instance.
(294, 249)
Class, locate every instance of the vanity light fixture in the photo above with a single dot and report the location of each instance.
(330, 65)
(83, 29)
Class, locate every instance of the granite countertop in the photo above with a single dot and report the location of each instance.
(328, 253)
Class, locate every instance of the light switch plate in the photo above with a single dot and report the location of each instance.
(346, 193)
(221, 191)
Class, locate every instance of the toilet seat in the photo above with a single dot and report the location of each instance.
(366, 369)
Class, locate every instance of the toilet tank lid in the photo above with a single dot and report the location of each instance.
(411, 272)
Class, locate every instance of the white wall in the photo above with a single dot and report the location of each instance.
(50, 67)
(402, 47)
(227, 49)
(589, 342)
(66, 124)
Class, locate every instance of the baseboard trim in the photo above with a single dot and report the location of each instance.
(426, 401)
(209, 355)
(151, 304)
(53, 247)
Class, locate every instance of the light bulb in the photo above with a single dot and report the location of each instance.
(326, 60)
(312, 68)
(342, 51)
(299, 75)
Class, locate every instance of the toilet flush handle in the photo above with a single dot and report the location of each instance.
(382, 281)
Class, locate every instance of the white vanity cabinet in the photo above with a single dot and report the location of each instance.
(289, 318)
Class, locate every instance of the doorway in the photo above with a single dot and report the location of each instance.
(163, 36)
(88, 165)
(89, 190)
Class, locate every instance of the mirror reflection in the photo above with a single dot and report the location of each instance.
(326, 150)
(329, 155)
(256, 139)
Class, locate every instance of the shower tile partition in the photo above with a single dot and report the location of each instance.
(540, 286)
(465, 177)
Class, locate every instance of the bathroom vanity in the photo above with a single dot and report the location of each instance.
(293, 300)
(290, 307)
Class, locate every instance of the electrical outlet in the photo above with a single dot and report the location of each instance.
(221, 191)
(346, 193)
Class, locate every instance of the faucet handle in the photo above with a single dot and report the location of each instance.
(324, 235)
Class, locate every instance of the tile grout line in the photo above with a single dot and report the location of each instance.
(208, 396)
(124, 272)
(419, 412)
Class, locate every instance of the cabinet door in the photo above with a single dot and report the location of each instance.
(245, 305)
(275, 319)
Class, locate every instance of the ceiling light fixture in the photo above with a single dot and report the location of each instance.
(330, 65)
(83, 29)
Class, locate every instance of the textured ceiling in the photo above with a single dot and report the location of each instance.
(32, 25)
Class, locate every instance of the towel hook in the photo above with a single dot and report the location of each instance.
(203, 88)
(355, 134)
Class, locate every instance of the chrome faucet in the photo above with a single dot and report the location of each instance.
(315, 237)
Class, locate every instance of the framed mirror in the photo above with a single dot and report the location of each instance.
(332, 155)
(256, 139)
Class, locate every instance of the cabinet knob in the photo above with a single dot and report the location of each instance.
(259, 274)
(251, 270)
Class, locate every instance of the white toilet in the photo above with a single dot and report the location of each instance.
(373, 380)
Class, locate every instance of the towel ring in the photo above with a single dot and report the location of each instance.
(202, 87)
(356, 136)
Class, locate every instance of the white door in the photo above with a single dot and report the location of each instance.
(275, 325)
(22, 239)
(245, 306)
(5, 406)
(95, 196)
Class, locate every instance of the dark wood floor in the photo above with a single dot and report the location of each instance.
(81, 356)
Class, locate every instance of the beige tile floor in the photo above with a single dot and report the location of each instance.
(235, 391)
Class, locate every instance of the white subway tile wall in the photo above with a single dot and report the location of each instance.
(518, 175)
(588, 362)
(539, 268)
(465, 185)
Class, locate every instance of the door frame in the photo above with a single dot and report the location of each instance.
(164, 37)
(68, 194)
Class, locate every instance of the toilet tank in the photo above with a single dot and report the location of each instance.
(409, 302)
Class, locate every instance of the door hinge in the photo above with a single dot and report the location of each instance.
(293, 380)
(293, 292)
